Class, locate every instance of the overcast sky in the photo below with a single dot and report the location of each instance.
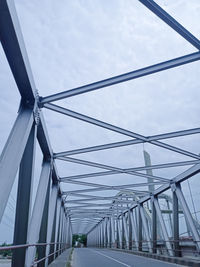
(72, 43)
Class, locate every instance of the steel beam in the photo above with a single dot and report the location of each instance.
(41, 250)
(154, 227)
(125, 231)
(163, 227)
(176, 225)
(116, 186)
(43, 139)
(52, 208)
(117, 129)
(158, 166)
(134, 229)
(178, 179)
(114, 199)
(103, 166)
(24, 198)
(124, 77)
(14, 48)
(188, 215)
(128, 142)
(102, 189)
(145, 227)
(36, 218)
(12, 154)
(174, 24)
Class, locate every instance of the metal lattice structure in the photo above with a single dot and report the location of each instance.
(132, 218)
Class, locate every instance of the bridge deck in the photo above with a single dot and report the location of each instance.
(62, 259)
(86, 257)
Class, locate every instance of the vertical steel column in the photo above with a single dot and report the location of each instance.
(97, 236)
(113, 245)
(108, 232)
(146, 230)
(170, 217)
(36, 218)
(154, 226)
(110, 235)
(105, 232)
(122, 231)
(163, 227)
(119, 232)
(188, 215)
(43, 228)
(139, 220)
(51, 250)
(99, 228)
(58, 232)
(69, 233)
(24, 197)
(57, 224)
(176, 226)
(124, 222)
(12, 154)
(130, 230)
(52, 208)
(102, 234)
(134, 229)
(61, 227)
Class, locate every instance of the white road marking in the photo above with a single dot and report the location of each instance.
(112, 259)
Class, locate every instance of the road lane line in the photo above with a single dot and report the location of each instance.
(112, 259)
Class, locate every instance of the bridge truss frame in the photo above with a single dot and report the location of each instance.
(51, 221)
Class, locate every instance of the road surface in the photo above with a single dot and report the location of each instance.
(5, 263)
(86, 257)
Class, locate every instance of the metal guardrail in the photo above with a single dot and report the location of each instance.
(57, 252)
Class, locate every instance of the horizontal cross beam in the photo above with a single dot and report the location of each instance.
(128, 142)
(111, 186)
(123, 77)
(104, 188)
(152, 167)
(114, 128)
(103, 166)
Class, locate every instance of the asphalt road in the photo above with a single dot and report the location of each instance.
(86, 257)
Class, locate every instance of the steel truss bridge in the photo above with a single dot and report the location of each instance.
(131, 218)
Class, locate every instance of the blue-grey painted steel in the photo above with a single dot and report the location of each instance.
(162, 14)
(188, 215)
(128, 142)
(58, 211)
(24, 199)
(124, 77)
(145, 227)
(158, 166)
(125, 231)
(52, 208)
(121, 186)
(38, 208)
(43, 139)
(103, 166)
(41, 250)
(12, 154)
(176, 225)
(62, 219)
(116, 188)
(163, 227)
(114, 128)
(134, 230)
(14, 47)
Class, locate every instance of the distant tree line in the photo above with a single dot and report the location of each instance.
(79, 238)
(5, 253)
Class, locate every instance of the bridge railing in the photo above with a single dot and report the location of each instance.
(60, 247)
